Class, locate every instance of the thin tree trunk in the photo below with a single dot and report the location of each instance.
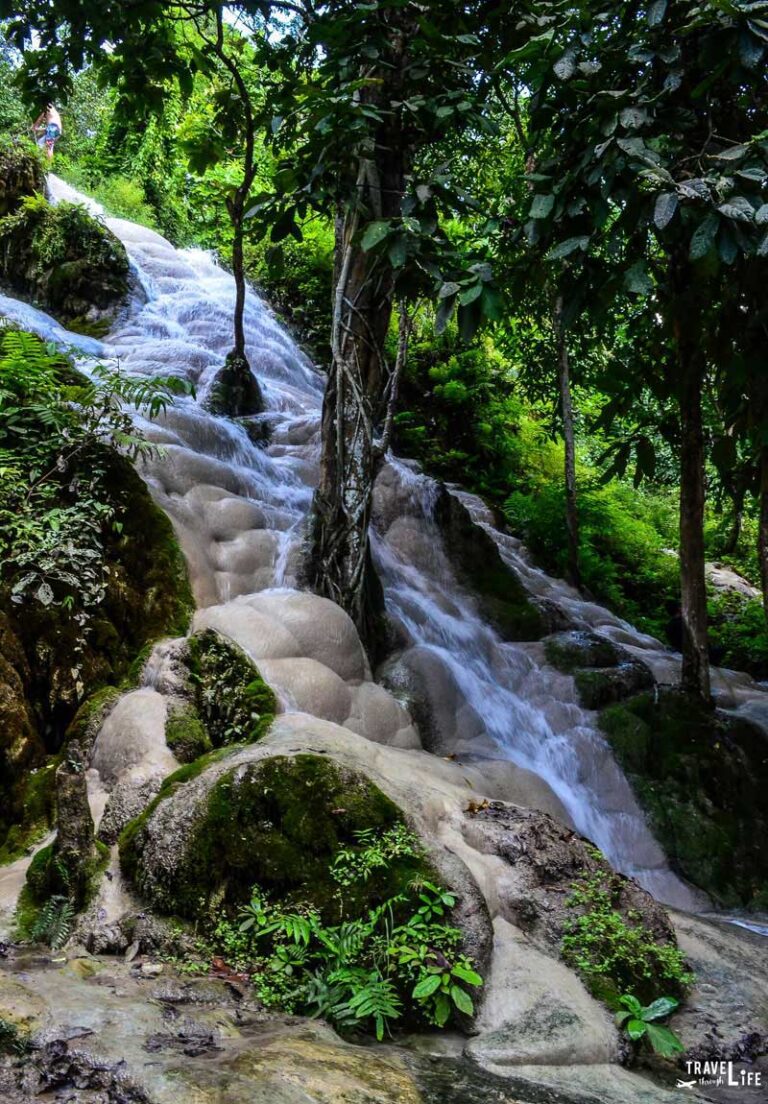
(730, 544)
(690, 362)
(762, 533)
(339, 564)
(238, 271)
(566, 405)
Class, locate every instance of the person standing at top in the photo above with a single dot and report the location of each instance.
(48, 124)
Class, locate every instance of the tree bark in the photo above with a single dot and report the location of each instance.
(339, 564)
(762, 533)
(566, 406)
(693, 589)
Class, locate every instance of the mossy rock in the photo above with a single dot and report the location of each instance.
(147, 597)
(185, 733)
(568, 651)
(234, 703)
(63, 258)
(702, 777)
(235, 391)
(21, 174)
(36, 815)
(501, 596)
(273, 822)
(603, 673)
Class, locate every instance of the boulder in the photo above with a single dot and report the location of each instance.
(502, 598)
(65, 260)
(602, 670)
(702, 777)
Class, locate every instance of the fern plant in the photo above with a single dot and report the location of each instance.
(53, 924)
(367, 971)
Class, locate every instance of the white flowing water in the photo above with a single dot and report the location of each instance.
(238, 509)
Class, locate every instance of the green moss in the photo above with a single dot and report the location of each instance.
(617, 953)
(235, 391)
(702, 777)
(569, 651)
(233, 701)
(501, 596)
(38, 813)
(276, 823)
(185, 734)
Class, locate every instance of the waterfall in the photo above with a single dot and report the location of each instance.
(238, 505)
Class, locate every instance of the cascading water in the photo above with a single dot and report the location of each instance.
(238, 509)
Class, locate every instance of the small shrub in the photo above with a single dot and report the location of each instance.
(617, 955)
(235, 704)
(638, 1023)
(400, 959)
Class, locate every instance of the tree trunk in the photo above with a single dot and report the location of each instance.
(566, 405)
(339, 564)
(690, 366)
(731, 542)
(762, 533)
(238, 271)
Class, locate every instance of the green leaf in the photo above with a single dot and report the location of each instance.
(374, 233)
(462, 1000)
(468, 295)
(448, 288)
(664, 210)
(465, 974)
(637, 279)
(442, 1009)
(738, 208)
(704, 237)
(565, 248)
(656, 12)
(663, 1041)
(636, 1029)
(664, 1005)
(732, 154)
(542, 206)
(398, 251)
(632, 1003)
(426, 987)
(444, 313)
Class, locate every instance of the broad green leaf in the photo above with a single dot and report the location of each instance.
(442, 1009)
(636, 1029)
(444, 313)
(738, 208)
(630, 1002)
(426, 987)
(663, 1041)
(465, 974)
(448, 288)
(462, 1000)
(541, 206)
(565, 248)
(656, 12)
(704, 237)
(637, 279)
(374, 233)
(732, 154)
(664, 209)
(468, 295)
(664, 1006)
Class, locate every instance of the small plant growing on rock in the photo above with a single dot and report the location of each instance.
(638, 1021)
(615, 954)
(398, 959)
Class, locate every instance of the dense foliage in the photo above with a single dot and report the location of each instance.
(400, 959)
